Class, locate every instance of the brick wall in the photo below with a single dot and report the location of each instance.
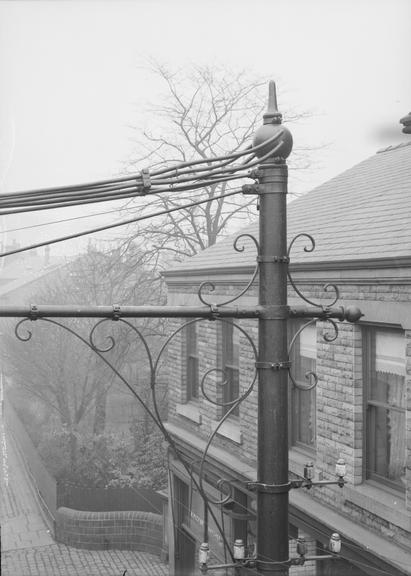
(141, 531)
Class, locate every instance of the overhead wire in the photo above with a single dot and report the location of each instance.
(118, 224)
(42, 224)
(107, 194)
(182, 168)
(40, 205)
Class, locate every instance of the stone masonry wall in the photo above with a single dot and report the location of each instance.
(141, 531)
(339, 393)
(408, 416)
(339, 401)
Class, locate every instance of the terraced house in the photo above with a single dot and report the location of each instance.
(360, 409)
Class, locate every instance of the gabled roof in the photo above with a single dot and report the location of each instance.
(26, 271)
(363, 213)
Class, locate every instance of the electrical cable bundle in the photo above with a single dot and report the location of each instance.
(182, 177)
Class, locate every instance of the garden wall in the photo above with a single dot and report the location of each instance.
(134, 530)
(92, 499)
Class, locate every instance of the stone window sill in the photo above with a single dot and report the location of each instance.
(229, 429)
(298, 458)
(189, 411)
(381, 502)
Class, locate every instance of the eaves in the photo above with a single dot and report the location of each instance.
(394, 270)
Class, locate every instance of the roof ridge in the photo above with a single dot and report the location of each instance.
(394, 147)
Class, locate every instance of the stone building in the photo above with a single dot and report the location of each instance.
(360, 409)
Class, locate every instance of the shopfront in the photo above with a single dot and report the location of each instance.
(190, 523)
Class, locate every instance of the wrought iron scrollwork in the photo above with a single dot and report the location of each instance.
(101, 348)
(111, 340)
(224, 484)
(210, 286)
(331, 337)
(154, 414)
(311, 376)
(327, 287)
(17, 331)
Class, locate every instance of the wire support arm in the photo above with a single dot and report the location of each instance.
(115, 312)
(308, 483)
(276, 312)
(350, 313)
(251, 563)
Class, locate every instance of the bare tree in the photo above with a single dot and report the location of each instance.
(60, 372)
(204, 112)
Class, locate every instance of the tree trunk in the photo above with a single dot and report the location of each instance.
(73, 452)
(100, 414)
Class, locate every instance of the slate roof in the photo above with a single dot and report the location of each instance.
(363, 213)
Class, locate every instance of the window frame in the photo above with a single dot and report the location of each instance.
(191, 362)
(368, 367)
(229, 362)
(296, 395)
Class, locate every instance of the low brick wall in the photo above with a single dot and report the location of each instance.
(141, 531)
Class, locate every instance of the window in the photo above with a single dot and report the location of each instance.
(181, 501)
(384, 388)
(303, 402)
(185, 545)
(230, 365)
(191, 359)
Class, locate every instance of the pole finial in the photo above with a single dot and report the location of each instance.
(271, 127)
(272, 116)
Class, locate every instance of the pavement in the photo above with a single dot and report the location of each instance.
(27, 547)
(60, 560)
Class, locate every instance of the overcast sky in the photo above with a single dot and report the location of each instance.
(72, 80)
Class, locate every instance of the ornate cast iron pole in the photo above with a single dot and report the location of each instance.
(272, 145)
(272, 485)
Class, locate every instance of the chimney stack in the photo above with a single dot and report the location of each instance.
(406, 122)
